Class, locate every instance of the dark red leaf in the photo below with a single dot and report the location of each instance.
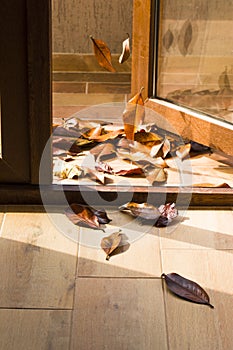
(186, 289)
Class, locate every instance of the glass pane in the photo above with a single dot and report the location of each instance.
(196, 55)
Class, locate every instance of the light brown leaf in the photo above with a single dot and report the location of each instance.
(148, 139)
(80, 214)
(209, 185)
(133, 115)
(125, 51)
(143, 210)
(103, 54)
(166, 147)
(69, 172)
(86, 216)
(155, 174)
(183, 151)
(186, 289)
(111, 243)
(103, 151)
(130, 172)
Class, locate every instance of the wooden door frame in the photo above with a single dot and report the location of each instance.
(40, 113)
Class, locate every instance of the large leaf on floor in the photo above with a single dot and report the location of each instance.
(103, 54)
(133, 115)
(186, 289)
(86, 216)
(143, 210)
(111, 243)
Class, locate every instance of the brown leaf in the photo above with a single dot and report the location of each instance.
(143, 210)
(110, 243)
(103, 151)
(103, 167)
(99, 134)
(103, 54)
(101, 215)
(209, 185)
(166, 147)
(84, 215)
(87, 216)
(125, 51)
(148, 139)
(73, 172)
(66, 144)
(183, 151)
(130, 172)
(186, 289)
(133, 115)
(155, 174)
(93, 132)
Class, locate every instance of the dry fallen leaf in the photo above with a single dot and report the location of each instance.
(84, 215)
(130, 172)
(133, 115)
(103, 151)
(168, 213)
(148, 139)
(144, 210)
(125, 51)
(209, 185)
(183, 151)
(111, 243)
(155, 174)
(103, 54)
(186, 289)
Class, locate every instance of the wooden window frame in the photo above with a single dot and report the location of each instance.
(40, 114)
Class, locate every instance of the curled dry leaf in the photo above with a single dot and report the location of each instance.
(66, 144)
(125, 51)
(99, 134)
(82, 215)
(86, 216)
(130, 172)
(111, 243)
(72, 172)
(144, 210)
(103, 54)
(133, 115)
(148, 139)
(103, 167)
(168, 213)
(186, 289)
(209, 185)
(103, 151)
(183, 151)
(156, 174)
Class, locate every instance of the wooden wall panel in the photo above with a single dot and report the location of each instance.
(74, 20)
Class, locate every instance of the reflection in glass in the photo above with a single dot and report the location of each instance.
(196, 55)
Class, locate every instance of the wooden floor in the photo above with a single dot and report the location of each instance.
(59, 294)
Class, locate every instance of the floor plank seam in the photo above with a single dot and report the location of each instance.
(35, 308)
(2, 224)
(164, 301)
(74, 294)
(122, 277)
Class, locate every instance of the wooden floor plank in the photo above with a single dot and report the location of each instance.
(38, 263)
(115, 314)
(34, 329)
(192, 326)
(200, 229)
(140, 258)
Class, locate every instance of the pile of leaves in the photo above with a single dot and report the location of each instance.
(91, 148)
